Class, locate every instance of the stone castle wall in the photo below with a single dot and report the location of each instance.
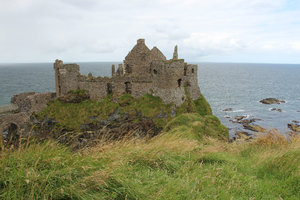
(143, 71)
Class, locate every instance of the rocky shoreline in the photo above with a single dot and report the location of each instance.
(23, 119)
(77, 121)
(249, 128)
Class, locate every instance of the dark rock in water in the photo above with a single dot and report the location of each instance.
(239, 118)
(248, 121)
(233, 121)
(295, 121)
(276, 109)
(75, 96)
(227, 109)
(294, 127)
(255, 128)
(271, 101)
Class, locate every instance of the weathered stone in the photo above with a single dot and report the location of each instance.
(242, 135)
(276, 109)
(15, 125)
(255, 128)
(32, 102)
(103, 130)
(271, 101)
(175, 54)
(294, 127)
(75, 96)
(295, 121)
(239, 117)
(143, 71)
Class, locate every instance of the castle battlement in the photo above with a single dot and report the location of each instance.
(143, 71)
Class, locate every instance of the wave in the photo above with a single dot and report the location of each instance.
(238, 110)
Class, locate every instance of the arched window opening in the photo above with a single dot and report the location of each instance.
(155, 71)
(179, 82)
(109, 88)
(184, 71)
(192, 70)
(128, 87)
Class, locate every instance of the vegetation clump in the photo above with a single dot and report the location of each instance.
(169, 166)
(72, 116)
(75, 96)
(197, 127)
(190, 159)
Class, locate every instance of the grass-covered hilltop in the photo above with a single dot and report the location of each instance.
(144, 149)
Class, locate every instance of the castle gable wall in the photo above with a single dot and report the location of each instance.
(137, 62)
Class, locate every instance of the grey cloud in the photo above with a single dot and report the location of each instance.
(96, 29)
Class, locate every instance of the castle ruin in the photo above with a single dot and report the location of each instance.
(143, 71)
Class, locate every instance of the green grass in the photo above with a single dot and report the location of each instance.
(71, 116)
(190, 159)
(196, 126)
(51, 171)
(202, 106)
(166, 167)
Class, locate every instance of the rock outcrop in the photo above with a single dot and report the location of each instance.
(13, 125)
(294, 127)
(276, 109)
(271, 101)
(75, 96)
(255, 128)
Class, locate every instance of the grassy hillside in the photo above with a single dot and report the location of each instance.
(190, 159)
(174, 165)
(72, 115)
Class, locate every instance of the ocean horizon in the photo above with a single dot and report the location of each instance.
(239, 86)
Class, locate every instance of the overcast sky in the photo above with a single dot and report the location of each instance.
(256, 31)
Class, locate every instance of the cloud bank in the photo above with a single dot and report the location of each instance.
(98, 30)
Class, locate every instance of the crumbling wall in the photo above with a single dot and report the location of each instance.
(143, 71)
(17, 123)
(100, 87)
(167, 79)
(156, 54)
(32, 102)
(66, 77)
(190, 80)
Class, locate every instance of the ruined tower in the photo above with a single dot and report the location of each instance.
(143, 71)
(66, 77)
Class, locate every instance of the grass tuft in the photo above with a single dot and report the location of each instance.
(167, 166)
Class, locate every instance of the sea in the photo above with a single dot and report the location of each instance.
(238, 86)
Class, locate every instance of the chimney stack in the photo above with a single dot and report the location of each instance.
(175, 54)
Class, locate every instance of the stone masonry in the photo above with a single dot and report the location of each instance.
(143, 71)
